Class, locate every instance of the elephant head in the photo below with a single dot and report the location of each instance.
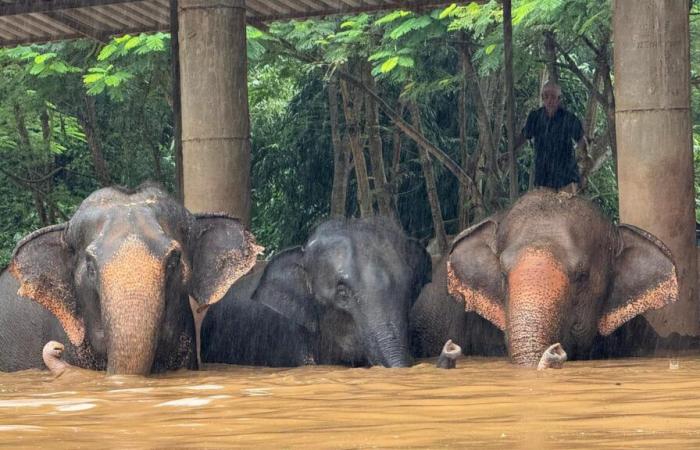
(351, 285)
(554, 269)
(119, 274)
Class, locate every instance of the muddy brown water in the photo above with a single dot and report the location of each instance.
(484, 403)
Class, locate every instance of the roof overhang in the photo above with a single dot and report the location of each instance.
(31, 21)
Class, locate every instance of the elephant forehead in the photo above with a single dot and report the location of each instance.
(132, 266)
(537, 273)
(334, 252)
(147, 217)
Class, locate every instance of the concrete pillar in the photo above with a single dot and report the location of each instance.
(654, 139)
(215, 122)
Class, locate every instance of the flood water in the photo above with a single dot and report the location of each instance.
(484, 403)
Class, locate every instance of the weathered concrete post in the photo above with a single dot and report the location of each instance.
(215, 122)
(654, 139)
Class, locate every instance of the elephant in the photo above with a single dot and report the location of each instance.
(341, 298)
(115, 283)
(550, 269)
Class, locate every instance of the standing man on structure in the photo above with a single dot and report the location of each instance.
(555, 131)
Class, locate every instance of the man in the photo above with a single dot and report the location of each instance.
(554, 130)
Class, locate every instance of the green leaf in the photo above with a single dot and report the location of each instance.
(382, 54)
(133, 42)
(37, 69)
(406, 61)
(41, 59)
(590, 21)
(409, 25)
(392, 17)
(122, 39)
(112, 80)
(447, 11)
(60, 67)
(348, 24)
(92, 78)
(388, 65)
(489, 49)
(22, 53)
(96, 89)
(107, 51)
(522, 11)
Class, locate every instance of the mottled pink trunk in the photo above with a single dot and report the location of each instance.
(133, 303)
(537, 289)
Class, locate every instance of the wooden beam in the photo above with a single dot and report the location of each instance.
(79, 27)
(127, 14)
(54, 27)
(34, 6)
(101, 37)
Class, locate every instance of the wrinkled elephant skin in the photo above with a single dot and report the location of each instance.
(553, 268)
(342, 298)
(116, 280)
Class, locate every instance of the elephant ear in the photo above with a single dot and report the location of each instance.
(644, 278)
(41, 263)
(473, 272)
(284, 288)
(222, 252)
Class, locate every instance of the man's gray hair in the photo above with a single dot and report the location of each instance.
(549, 85)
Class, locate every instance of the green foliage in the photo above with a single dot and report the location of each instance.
(413, 56)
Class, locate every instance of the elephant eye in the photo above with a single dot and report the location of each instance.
(581, 276)
(174, 260)
(90, 267)
(342, 290)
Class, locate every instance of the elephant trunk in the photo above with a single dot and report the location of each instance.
(537, 290)
(389, 346)
(133, 304)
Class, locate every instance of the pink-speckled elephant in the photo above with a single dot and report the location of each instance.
(550, 269)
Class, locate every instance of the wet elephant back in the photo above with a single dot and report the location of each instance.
(238, 330)
(20, 346)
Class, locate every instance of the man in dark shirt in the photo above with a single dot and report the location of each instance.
(555, 130)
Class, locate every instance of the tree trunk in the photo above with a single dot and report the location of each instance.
(430, 185)
(463, 212)
(550, 56)
(340, 157)
(654, 128)
(487, 137)
(375, 146)
(157, 169)
(88, 122)
(395, 180)
(176, 104)
(214, 96)
(411, 132)
(510, 100)
(353, 130)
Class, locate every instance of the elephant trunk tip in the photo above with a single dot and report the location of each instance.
(51, 354)
(448, 356)
(552, 358)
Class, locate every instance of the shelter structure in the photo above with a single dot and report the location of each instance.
(652, 93)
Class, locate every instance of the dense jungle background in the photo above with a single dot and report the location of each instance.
(330, 101)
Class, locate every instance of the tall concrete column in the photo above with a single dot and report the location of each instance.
(654, 139)
(215, 122)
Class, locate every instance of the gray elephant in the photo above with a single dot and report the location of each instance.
(115, 283)
(551, 269)
(342, 298)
